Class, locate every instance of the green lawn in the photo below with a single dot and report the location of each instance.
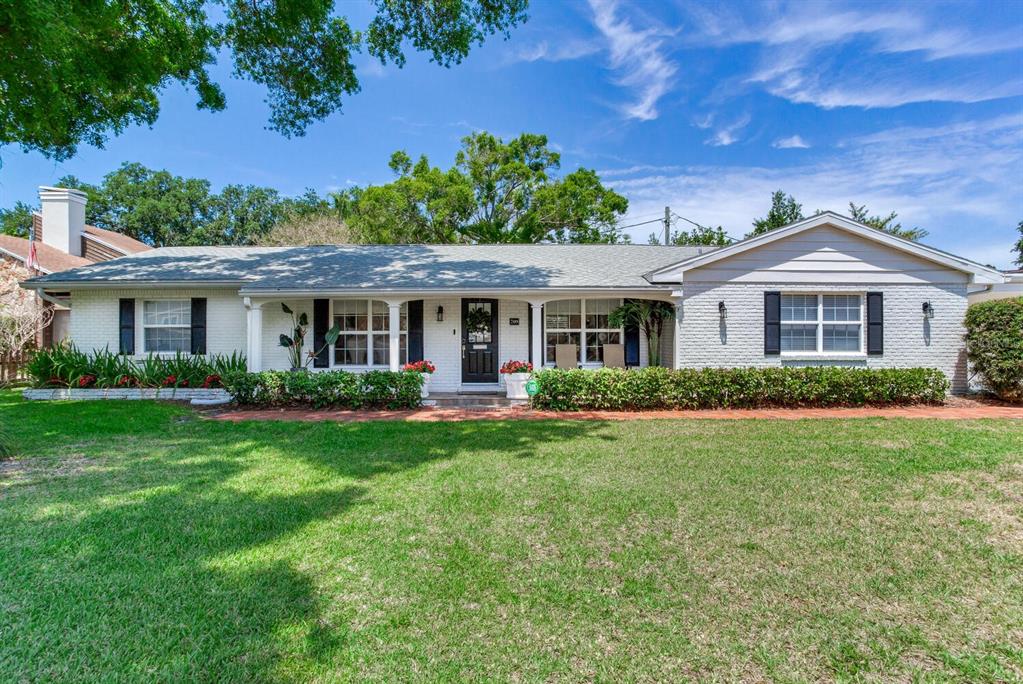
(140, 542)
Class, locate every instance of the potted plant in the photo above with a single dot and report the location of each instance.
(650, 316)
(294, 342)
(516, 374)
(425, 369)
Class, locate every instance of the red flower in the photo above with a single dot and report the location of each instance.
(517, 367)
(211, 381)
(419, 367)
(127, 381)
(170, 381)
(87, 381)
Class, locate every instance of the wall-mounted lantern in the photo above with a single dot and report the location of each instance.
(440, 314)
(928, 310)
(722, 310)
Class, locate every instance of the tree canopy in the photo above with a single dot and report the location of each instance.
(785, 210)
(886, 223)
(17, 220)
(74, 72)
(165, 210)
(496, 192)
(1019, 245)
(698, 235)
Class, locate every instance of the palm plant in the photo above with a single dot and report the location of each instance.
(649, 315)
(294, 342)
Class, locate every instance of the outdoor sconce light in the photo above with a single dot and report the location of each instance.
(928, 310)
(722, 310)
(440, 314)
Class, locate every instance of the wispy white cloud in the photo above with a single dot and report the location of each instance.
(728, 134)
(560, 51)
(791, 142)
(960, 182)
(799, 43)
(638, 57)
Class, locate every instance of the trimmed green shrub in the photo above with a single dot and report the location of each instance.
(67, 366)
(994, 345)
(326, 389)
(706, 388)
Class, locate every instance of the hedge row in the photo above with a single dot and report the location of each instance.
(327, 389)
(661, 388)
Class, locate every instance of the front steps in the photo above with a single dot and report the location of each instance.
(475, 401)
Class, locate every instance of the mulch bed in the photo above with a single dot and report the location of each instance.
(955, 408)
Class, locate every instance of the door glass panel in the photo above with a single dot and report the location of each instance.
(478, 323)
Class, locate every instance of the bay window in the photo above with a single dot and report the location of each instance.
(365, 333)
(582, 322)
(812, 323)
(167, 326)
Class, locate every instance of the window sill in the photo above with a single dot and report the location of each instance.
(823, 356)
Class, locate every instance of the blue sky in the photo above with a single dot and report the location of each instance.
(705, 107)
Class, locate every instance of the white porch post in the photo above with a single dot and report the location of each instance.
(676, 347)
(536, 343)
(394, 332)
(254, 346)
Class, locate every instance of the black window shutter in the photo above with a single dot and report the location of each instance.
(321, 324)
(529, 331)
(198, 325)
(772, 322)
(631, 344)
(875, 323)
(415, 330)
(126, 338)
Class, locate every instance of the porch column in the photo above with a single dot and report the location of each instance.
(394, 332)
(676, 300)
(254, 340)
(536, 343)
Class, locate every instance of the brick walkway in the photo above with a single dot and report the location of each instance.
(956, 410)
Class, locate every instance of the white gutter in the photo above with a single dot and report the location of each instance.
(51, 299)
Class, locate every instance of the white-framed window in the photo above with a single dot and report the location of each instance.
(365, 333)
(821, 323)
(582, 322)
(167, 326)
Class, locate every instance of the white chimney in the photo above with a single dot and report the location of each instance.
(63, 218)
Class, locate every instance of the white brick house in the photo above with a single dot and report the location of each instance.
(826, 290)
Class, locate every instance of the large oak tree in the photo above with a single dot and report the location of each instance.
(497, 191)
(73, 71)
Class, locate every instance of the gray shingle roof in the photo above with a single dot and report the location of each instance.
(385, 267)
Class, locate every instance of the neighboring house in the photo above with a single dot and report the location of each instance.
(825, 290)
(64, 241)
(1012, 287)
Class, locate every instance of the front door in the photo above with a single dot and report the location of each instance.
(479, 340)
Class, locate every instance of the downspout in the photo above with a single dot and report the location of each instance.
(53, 300)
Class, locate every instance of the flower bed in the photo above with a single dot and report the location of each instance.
(67, 367)
(327, 389)
(707, 388)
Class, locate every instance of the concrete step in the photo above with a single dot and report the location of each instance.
(471, 401)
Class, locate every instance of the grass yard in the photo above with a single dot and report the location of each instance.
(139, 542)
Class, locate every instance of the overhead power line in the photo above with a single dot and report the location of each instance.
(641, 223)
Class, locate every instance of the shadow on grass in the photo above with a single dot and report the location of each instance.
(165, 557)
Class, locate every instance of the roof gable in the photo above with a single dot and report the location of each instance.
(976, 273)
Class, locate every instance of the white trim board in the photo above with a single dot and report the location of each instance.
(977, 272)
